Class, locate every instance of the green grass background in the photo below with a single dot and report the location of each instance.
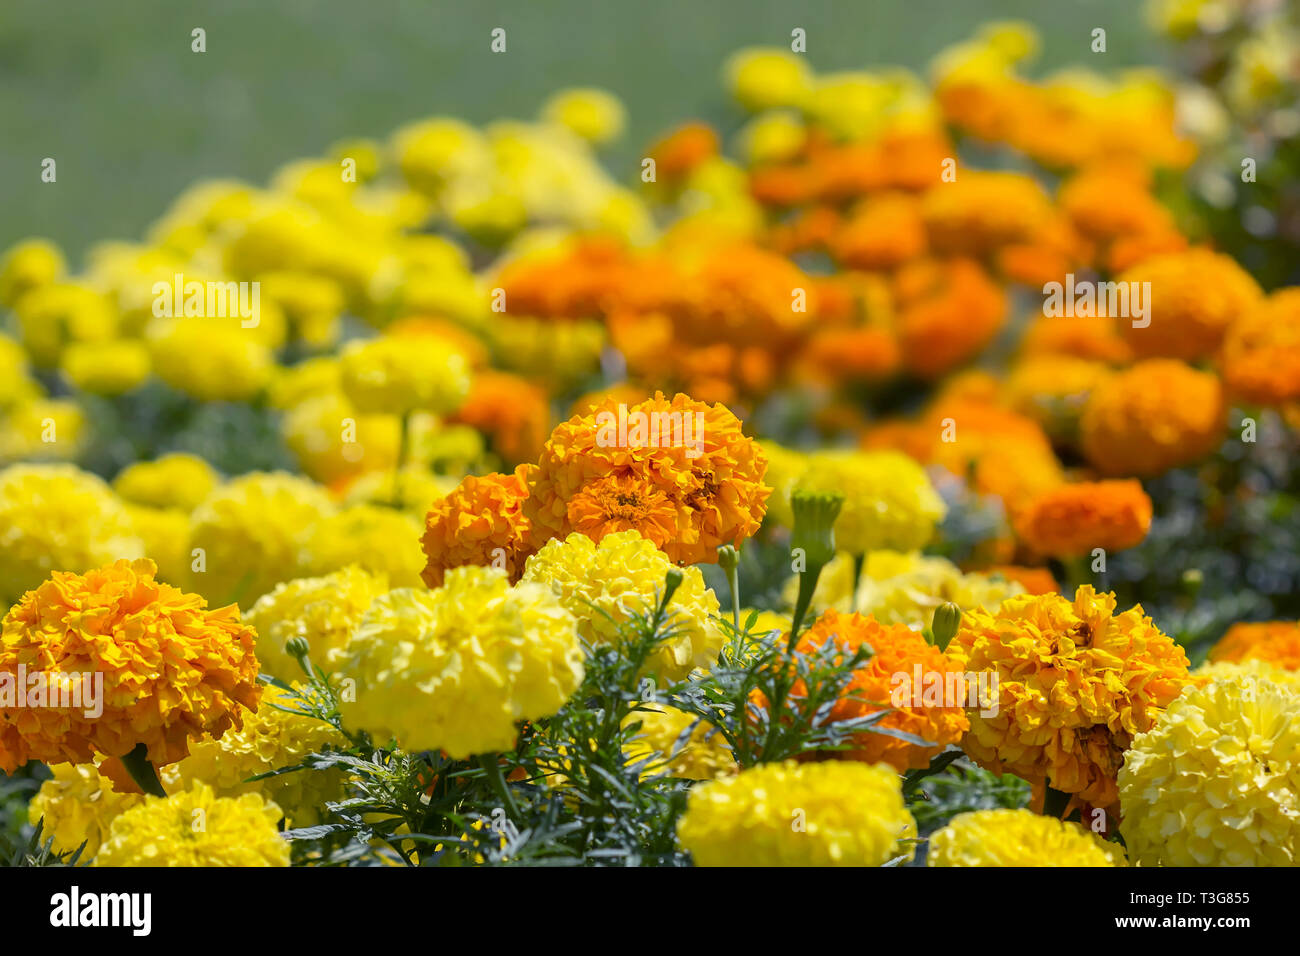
(111, 90)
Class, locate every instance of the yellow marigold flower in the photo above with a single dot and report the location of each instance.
(1018, 838)
(29, 265)
(332, 440)
(17, 387)
(417, 489)
(210, 362)
(1215, 782)
(888, 500)
(558, 354)
(1277, 642)
(178, 480)
(106, 368)
(172, 669)
(837, 813)
(1261, 353)
(605, 584)
(681, 744)
(1070, 520)
(481, 521)
(1155, 415)
(784, 467)
(322, 610)
(166, 536)
(1076, 683)
(312, 304)
(454, 668)
(78, 806)
(615, 469)
(58, 518)
(401, 375)
(249, 530)
(773, 137)
(163, 831)
(296, 384)
(271, 739)
(380, 539)
(50, 317)
(1195, 296)
(1220, 670)
(46, 429)
(762, 78)
(593, 114)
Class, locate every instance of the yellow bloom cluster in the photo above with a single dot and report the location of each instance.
(791, 814)
(78, 805)
(454, 668)
(401, 375)
(605, 584)
(1018, 838)
(681, 744)
(172, 481)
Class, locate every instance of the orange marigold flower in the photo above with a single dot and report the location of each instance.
(866, 353)
(980, 211)
(514, 412)
(1071, 520)
(1076, 683)
(935, 715)
(173, 670)
(481, 521)
(1195, 296)
(680, 456)
(683, 149)
(1277, 642)
(947, 313)
(1085, 338)
(1033, 580)
(1261, 353)
(1158, 414)
(883, 233)
(1053, 389)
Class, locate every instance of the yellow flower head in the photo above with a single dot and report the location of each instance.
(271, 739)
(58, 518)
(763, 78)
(78, 805)
(177, 480)
(321, 610)
(1216, 782)
(106, 368)
(889, 502)
(595, 115)
(380, 539)
(454, 668)
(605, 584)
(208, 361)
(837, 813)
(29, 265)
(332, 440)
(1219, 670)
(681, 744)
(45, 429)
(196, 828)
(172, 669)
(401, 375)
(249, 530)
(166, 536)
(1076, 683)
(1018, 838)
(50, 317)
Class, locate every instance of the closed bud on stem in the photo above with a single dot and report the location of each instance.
(947, 619)
(814, 524)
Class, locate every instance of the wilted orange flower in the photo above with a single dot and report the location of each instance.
(683, 149)
(1261, 353)
(1158, 414)
(1277, 642)
(683, 452)
(1076, 683)
(932, 709)
(173, 669)
(948, 311)
(481, 521)
(980, 211)
(1071, 520)
(512, 411)
(1195, 296)
(882, 233)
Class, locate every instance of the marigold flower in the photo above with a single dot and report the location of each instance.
(512, 411)
(1212, 671)
(947, 313)
(1195, 296)
(332, 441)
(1018, 838)
(681, 744)
(1261, 352)
(28, 265)
(1158, 414)
(604, 584)
(1095, 338)
(763, 78)
(888, 500)
(166, 536)
(595, 115)
(837, 813)
(402, 375)
(933, 710)
(377, 538)
(980, 211)
(1277, 642)
(1214, 782)
(210, 362)
(481, 521)
(1033, 580)
(1070, 520)
(177, 480)
(322, 610)
(160, 831)
(595, 473)
(1076, 683)
(45, 429)
(883, 233)
(173, 670)
(78, 804)
(1053, 390)
(58, 518)
(249, 531)
(51, 317)
(454, 668)
(683, 150)
(106, 368)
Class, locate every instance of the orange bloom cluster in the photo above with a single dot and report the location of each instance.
(948, 311)
(1276, 642)
(173, 669)
(1071, 520)
(1261, 352)
(936, 715)
(514, 412)
(480, 522)
(688, 495)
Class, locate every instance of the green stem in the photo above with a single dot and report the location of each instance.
(492, 767)
(142, 771)
(403, 441)
(733, 581)
(807, 587)
(858, 561)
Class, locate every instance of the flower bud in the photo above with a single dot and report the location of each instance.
(814, 524)
(947, 619)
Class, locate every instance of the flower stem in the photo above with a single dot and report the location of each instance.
(142, 771)
(858, 561)
(403, 441)
(492, 767)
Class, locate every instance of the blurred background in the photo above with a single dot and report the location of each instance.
(113, 92)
